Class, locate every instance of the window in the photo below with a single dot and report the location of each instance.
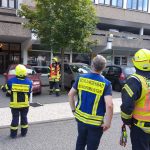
(116, 3)
(120, 60)
(134, 4)
(141, 5)
(145, 5)
(9, 3)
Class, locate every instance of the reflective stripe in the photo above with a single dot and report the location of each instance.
(20, 88)
(96, 102)
(15, 97)
(142, 118)
(88, 121)
(89, 116)
(13, 128)
(79, 104)
(24, 126)
(6, 86)
(15, 104)
(91, 86)
(140, 124)
(128, 90)
(125, 116)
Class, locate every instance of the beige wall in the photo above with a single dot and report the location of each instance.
(122, 15)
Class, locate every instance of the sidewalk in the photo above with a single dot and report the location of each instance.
(48, 112)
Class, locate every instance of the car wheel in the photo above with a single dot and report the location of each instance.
(117, 87)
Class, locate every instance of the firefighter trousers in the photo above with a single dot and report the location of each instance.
(16, 112)
(89, 136)
(139, 139)
(55, 85)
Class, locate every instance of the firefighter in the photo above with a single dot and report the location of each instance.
(54, 77)
(135, 108)
(94, 101)
(20, 88)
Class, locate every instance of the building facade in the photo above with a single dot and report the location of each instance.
(14, 38)
(123, 28)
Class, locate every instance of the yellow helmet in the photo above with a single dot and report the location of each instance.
(21, 70)
(55, 59)
(141, 60)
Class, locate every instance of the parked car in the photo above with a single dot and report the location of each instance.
(31, 74)
(43, 71)
(72, 70)
(118, 75)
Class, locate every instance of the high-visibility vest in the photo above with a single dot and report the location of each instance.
(54, 72)
(93, 87)
(19, 95)
(142, 105)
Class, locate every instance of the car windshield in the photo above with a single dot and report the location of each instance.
(77, 68)
(30, 71)
(129, 70)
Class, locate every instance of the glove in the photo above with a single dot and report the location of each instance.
(123, 138)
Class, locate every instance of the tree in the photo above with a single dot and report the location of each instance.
(62, 24)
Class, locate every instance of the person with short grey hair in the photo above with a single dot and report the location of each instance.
(94, 102)
(98, 63)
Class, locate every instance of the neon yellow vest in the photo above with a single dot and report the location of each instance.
(142, 105)
(94, 87)
(16, 101)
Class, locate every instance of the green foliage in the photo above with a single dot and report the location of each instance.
(62, 24)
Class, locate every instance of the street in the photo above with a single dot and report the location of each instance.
(59, 135)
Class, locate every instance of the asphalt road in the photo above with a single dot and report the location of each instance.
(59, 135)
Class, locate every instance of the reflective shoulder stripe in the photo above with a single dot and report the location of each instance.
(128, 90)
(125, 116)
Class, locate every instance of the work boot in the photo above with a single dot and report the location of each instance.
(24, 132)
(13, 134)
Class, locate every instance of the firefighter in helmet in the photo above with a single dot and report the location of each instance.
(54, 77)
(20, 88)
(135, 108)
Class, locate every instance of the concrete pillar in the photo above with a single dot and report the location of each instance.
(142, 31)
(24, 50)
(125, 4)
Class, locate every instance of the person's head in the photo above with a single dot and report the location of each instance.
(98, 63)
(141, 60)
(21, 71)
(55, 60)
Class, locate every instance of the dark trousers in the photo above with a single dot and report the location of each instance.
(88, 136)
(16, 112)
(55, 85)
(139, 139)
